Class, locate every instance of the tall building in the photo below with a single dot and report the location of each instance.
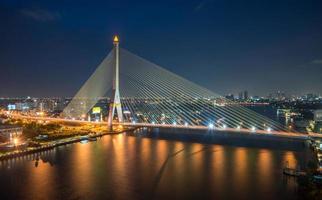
(245, 95)
(230, 97)
(240, 96)
(318, 115)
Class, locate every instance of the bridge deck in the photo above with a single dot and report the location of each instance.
(232, 130)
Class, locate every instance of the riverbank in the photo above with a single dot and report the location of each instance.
(53, 144)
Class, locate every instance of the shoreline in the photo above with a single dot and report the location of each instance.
(53, 144)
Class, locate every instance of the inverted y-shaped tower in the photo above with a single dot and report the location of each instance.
(115, 101)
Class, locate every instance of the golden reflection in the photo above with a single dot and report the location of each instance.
(120, 167)
(289, 159)
(41, 180)
(197, 156)
(240, 169)
(83, 161)
(146, 149)
(197, 163)
(162, 152)
(265, 168)
(218, 166)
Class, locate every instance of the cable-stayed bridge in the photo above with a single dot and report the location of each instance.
(142, 93)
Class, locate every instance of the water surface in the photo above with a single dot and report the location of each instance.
(128, 167)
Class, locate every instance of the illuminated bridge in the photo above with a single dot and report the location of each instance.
(142, 93)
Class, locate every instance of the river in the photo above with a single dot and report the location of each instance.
(137, 167)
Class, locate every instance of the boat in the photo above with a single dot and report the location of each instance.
(84, 139)
(92, 138)
(292, 171)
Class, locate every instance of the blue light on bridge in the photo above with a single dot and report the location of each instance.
(210, 126)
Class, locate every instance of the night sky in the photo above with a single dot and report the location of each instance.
(50, 48)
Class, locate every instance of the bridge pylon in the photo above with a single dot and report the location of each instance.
(115, 101)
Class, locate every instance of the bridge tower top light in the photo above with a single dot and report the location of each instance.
(116, 40)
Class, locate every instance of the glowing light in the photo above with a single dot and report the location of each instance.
(269, 129)
(40, 113)
(120, 127)
(133, 122)
(253, 129)
(163, 123)
(186, 124)
(211, 126)
(15, 141)
(238, 127)
(116, 39)
(153, 122)
(224, 126)
(174, 123)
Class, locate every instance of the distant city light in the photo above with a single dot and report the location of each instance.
(238, 127)
(186, 123)
(269, 129)
(253, 129)
(224, 126)
(174, 123)
(153, 122)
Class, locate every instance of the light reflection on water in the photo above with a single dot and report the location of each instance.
(127, 167)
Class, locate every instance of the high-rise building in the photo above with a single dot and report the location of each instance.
(240, 96)
(230, 97)
(318, 115)
(245, 95)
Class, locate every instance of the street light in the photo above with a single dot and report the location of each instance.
(15, 141)
(210, 126)
(224, 126)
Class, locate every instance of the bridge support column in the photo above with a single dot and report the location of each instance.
(115, 101)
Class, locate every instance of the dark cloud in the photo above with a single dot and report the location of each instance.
(201, 5)
(41, 15)
(317, 61)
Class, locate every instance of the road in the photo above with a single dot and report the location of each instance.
(231, 130)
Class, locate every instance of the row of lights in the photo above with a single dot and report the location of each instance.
(253, 128)
(211, 126)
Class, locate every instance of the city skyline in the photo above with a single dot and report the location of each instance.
(47, 51)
